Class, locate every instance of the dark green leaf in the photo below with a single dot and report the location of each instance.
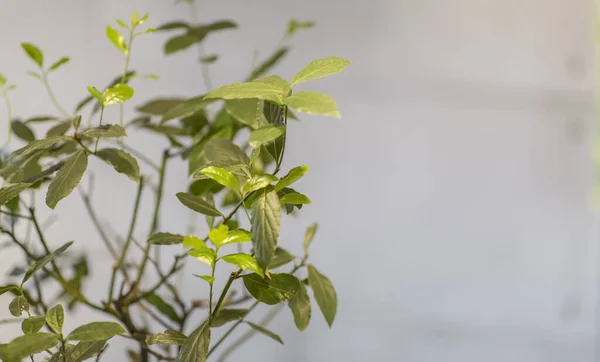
(18, 305)
(186, 108)
(67, 178)
(180, 42)
(118, 94)
(39, 145)
(121, 161)
(294, 198)
(21, 130)
(163, 307)
(8, 288)
(244, 261)
(40, 119)
(169, 131)
(28, 345)
(320, 68)
(280, 258)
(174, 25)
(279, 288)
(247, 111)
(197, 204)
(32, 324)
(195, 123)
(209, 59)
(170, 337)
(85, 350)
(292, 176)
(227, 315)
(165, 239)
(309, 234)
(195, 347)
(116, 38)
(39, 264)
(265, 332)
(59, 129)
(200, 187)
(301, 308)
(34, 53)
(269, 63)
(96, 331)
(324, 292)
(10, 191)
(266, 218)
(60, 62)
(160, 106)
(55, 317)
(105, 131)
(265, 135)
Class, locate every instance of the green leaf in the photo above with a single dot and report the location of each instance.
(67, 178)
(309, 234)
(294, 25)
(265, 135)
(59, 63)
(198, 204)
(96, 94)
(122, 24)
(266, 219)
(160, 106)
(165, 239)
(55, 317)
(200, 250)
(40, 119)
(301, 308)
(280, 258)
(236, 237)
(207, 278)
(118, 94)
(34, 74)
(18, 305)
(265, 332)
(34, 53)
(209, 59)
(96, 331)
(28, 345)
(59, 129)
(269, 63)
(186, 108)
(10, 191)
(39, 145)
(116, 38)
(247, 111)
(324, 292)
(313, 103)
(180, 42)
(220, 150)
(320, 68)
(21, 130)
(194, 243)
(218, 235)
(105, 131)
(40, 263)
(170, 337)
(173, 26)
(163, 307)
(222, 176)
(8, 288)
(228, 315)
(85, 350)
(244, 261)
(294, 198)
(279, 288)
(258, 182)
(271, 88)
(292, 176)
(195, 347)
(32, 324)
(121, 161)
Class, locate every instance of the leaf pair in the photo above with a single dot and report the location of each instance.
(116, 94)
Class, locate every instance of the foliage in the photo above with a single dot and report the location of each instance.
(245, 176)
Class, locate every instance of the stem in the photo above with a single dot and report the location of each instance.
(38, 230)
(203, 67)
(232, 277)
(127, 58)
(210, 294)
(88, 206)
(230, 330)
(52, 96)
(100, 124)
(9, 113)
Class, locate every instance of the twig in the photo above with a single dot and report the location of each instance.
(94, 217)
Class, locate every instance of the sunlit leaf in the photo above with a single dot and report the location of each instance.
(309, 234)
(222, 176)
(59, 63)
(118, 94)
(244, 261)
(262, 89)
(294, 198)
(320, 68)
(258, 182)
(116, 38)
(265, 135)
(292, 176)
(34, 53)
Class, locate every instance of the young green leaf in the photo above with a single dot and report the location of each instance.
(228, 315)
(265, 135)
(207, 278)
(320, 68)
(59, 63)
(200, 250)
(105, 131)
(36, 75)
(34, 53)
(244, 261)
(85, 350)
(28, 345)
(39, 264)
(324, 292)
(22, 131)
(160, 106)
(169, 337)
(67, 178)
(269, 90)
(163, 307)
(55, 317)
(10, 191)
(294, 198)
(118, 94)
(258, 182)
(292, 176)
(195, 347)
(309, 234)
(222, 176)
(194, 243)
(279, 288)
(294, 25)
(122, 24)
(209, 59)
(58, 129)
(116, 38)
(32, 324)
(236, 237)
(280, 258)
(197, 204)
(266, 219)
(96, 94)
(300, 306)
(165, 239)
(218, 235)
(265, 332)
(247, 111)
(96, 331)
(121, 161)
(18, 305)
(313, 103)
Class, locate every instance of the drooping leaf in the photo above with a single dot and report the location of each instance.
(163, 307)
(265, 135)
(118, 94)
(324, 292)
(279, 288)
(116, 38)
(294, 25)
(10, 191)
(280, 258)
(320, 68)
(261, 89)
(67, 178)
(165, 239)
(169, 337)
(105, 131)
(158, 107)
(39, 264)
(300, 306)
(313, 103)
(59, 63)
(265, 332)
(59, 129)
(198, 204)
(28, 345)
(266, 219)
(33, 324)
(245, 262)
(294, 198)
(228, 315)
(195, 347)
(309, 234)
(246, 111)
(85, 350)
(292, 176)
(34, 53)
(18, 305)
(222, 176)
(55, 317)
(22, 131)
(39, 145)
(96, 331)
(121, 161)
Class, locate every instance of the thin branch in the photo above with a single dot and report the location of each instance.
(94, 217)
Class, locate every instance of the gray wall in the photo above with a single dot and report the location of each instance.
(453, 196)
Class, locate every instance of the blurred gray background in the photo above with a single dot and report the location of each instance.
(453, 196)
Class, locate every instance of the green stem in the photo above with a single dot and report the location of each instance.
(210, 294)
(38, 230)
(127, 58)
(100, 124)
(9, 113)
(203, 67)
(52, 96)
(230, 330)
(232, 277)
